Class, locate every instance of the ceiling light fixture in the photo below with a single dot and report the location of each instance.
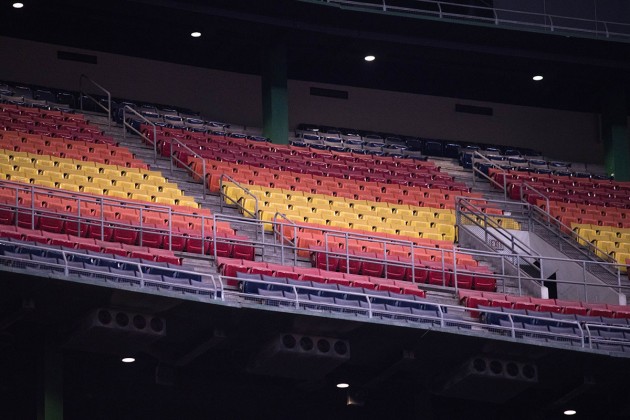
(128, 360)
(343, 385)
(537, 78)
(570, 412)
(18, 5)
(369, 58)
(195, 34)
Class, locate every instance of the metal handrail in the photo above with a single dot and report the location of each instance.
(223, 195)
(292, 225)
(458, 11)
(478, 156)
(132, 128)
(204, 174)
(107, 108)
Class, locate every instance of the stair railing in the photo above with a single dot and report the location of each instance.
(129, 126)
(107, 109)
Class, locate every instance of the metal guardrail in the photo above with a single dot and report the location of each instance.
(492, 16)
(204, 172)
(388, 309)
(245, 190)
(126, 125)
(107, 109)
(139, 276)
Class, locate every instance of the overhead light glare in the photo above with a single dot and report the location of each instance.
(537, 78)
(128, 360)
(18, 5)
(570, 412)
(195, 34)
(343, 385)
(369, 58)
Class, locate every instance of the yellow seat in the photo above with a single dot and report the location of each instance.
(125, 185)
(112, 192)
(447, 231)
(16, 177)
(154, 178)
(54, 175)
(186, 202)
(319, 202)
(326, 214)
(44, 182)
(432, 235)
(338, 223)
(446, 218)
(301, 209)
(66, 165)
(249, 204)
(372, 220)
(30, 173)
(44, 164)
(90, 170)
(135, 177)
(164, 200)
(148, 189)
(363, 209)
(605, 247)
(349, 216)
(299, 200)
(276, 196)
(6, 168)
(106, 172)
(359, 225)
(395, 223)
(69, 186)
(23, 161)
(315, 220)
(93, 190)
(403, 212)
(101, 183)
(410, 233)
(339, 205)
(382, 211)
(75, 178)
(171, 191)
(385, 229)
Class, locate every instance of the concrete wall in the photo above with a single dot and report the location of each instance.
(236, 98)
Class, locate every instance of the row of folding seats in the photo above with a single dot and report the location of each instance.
(424, 268)
(345, 213)
(92, 244)
(231, 268)
(92, 178)
(24, 119)
(351, 189)
(125, 231)
(92, 264)
(79, 150)
(474, 299)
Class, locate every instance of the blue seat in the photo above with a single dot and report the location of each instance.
(249, 286)
(348, 292)
(276, 283)
(327, 289)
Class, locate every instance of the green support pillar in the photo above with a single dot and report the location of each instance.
(615, 133)
(50, 404)
(274, 94)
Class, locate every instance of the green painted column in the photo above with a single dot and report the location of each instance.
(615, 133)
(50, 398)
(274, 94)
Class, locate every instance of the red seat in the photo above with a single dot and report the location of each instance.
(10, 231)
(125, 235)
(418, 273)
(482, 281)
(141, 252)
(36, 236)
(350, 264)
(61, 239)
(243, 251)
(324, 261)
(27, 220)
(86, 243)
(94, 231)
(372, 268)
(7, 217)
(151, 237)
(111, 248)
(164, 255)
(410, 289)
(51, 223)
(229, 267)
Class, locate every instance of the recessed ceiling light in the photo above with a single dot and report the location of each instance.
(537, 78)
(195, 34)
(369, 58)
(343, 385)
(128, 360)
(18, 5)
(570, 412)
